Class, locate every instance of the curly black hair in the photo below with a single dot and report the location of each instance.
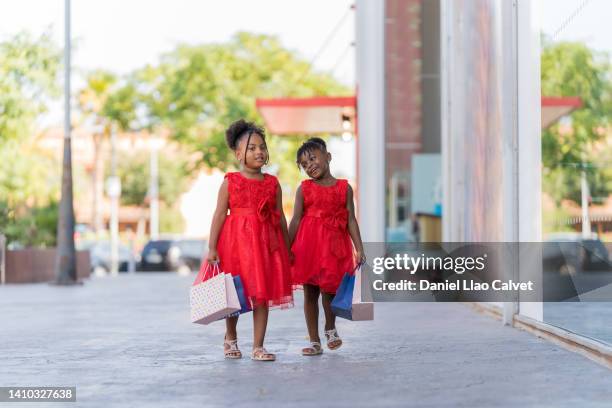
(241, 128)
(314, 143)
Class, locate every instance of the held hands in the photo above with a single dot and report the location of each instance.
(213, 256)
(291, 257)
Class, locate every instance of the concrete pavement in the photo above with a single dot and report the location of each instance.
(127, 341)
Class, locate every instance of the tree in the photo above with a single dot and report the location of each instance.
(107, 104)
(572, 69)
(29, 69)
(134, 171)
(197, 91)
(29, 181)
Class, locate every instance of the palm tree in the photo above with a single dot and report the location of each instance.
(92, 100)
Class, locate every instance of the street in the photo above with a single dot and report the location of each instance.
(128, 341)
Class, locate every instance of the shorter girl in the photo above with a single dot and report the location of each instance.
(321, 231)
(252, 240)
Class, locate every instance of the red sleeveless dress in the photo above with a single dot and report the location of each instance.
(322, 247)
(251, 243)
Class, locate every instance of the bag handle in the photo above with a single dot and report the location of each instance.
(358, 266)
(215, 267)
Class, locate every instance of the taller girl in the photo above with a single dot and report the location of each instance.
(321, 231)
(252, 240)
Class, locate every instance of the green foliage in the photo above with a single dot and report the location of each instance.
(28, 78)
(170, 218)
(108, 101)
(572, 69)
(30, 227)
(134, 171)
(555, 221)
(29, 185)
(197, 91)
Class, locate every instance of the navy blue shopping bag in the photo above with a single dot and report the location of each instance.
(245, 305)
(342, 304)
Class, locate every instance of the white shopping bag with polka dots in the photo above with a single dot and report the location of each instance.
(213, 295)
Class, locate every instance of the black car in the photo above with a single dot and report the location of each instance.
(177, 255)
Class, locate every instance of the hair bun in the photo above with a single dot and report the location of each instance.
(239, 128)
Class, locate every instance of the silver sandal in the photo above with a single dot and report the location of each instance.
(315, 349)
(332, 336)
(261, 354)
(232, 351)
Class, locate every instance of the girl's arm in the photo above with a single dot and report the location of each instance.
(283, 220)
(217, 222)
(353, 226)
(298, 210)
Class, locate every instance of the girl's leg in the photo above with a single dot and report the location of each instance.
(333, 341)
(230, 328)
(230, 343)
(311, 311)
(260, 323)
(330, 317)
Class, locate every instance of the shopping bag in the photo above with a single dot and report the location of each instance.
(213, 295)
(347, 302)
(360, 310)
(245, 305)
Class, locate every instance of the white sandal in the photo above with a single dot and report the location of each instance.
(232, 352)
(261, 354)
(332, 336)
(315, 349)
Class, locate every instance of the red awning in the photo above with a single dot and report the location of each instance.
(322, 114)
(554, 108)
(327, 114)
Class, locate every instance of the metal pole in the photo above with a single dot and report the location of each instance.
(114, 221)
(65, 262)
(2, 259)
(584, 195)
(154, 193)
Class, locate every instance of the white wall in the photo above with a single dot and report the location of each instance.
(491, 128)
(370, 15)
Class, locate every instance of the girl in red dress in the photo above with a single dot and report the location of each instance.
(252, 241)
(321, 231)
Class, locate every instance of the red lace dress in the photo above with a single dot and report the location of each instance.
(251, 243)
(322, 247)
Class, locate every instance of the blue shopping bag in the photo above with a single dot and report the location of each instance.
(245, 305)
(348, 303)
(342, 304)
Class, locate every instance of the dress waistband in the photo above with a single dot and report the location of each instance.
(324, 214)
(243, 211)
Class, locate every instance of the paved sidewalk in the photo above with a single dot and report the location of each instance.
(127, 341)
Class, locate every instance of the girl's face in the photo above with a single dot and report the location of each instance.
(315, 163)
(253, 155)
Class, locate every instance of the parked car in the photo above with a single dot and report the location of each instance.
(100, 257)
(177, 255)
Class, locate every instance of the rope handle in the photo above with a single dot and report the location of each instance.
(215, 267)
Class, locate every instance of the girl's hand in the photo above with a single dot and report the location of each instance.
(213, 256)
(360, 257)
